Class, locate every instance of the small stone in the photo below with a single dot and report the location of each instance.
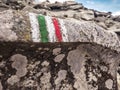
(59, 58)
(109, 84)
(13, 79)
(56, 51)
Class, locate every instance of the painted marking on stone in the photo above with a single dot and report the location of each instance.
(63, 30)
(57, 29)
(51, 29)
(43, 29)
(34, 27)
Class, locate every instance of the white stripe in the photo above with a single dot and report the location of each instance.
(51, 29)
(63, 30)
(34, 27)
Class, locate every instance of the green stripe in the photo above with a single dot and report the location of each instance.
(43, 29)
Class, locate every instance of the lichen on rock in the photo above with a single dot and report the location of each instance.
(61, 76)
(19, 63)
(59, 57)
(13, 79)
(56, 51)
(109, 84)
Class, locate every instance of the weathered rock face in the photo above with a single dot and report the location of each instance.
(65, 66)
(68, 9)
(86, 59)
(23, 29)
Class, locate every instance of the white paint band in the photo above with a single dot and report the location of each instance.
(34, 27)
(63, 30)
(50, 29)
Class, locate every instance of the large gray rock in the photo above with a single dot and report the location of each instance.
(88, 61)
(19, 28)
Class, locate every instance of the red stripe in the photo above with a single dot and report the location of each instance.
(57, 29)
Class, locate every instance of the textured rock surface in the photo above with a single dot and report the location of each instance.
(85, 66)
(77, 31)
(69, 9)
(58, 66)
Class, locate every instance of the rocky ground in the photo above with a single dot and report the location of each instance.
(68, 10)
(25, 65)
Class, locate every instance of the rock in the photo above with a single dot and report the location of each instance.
(87, 15)
(3, 7)
(79, 31)
(102, 24)
(87, 60)
(100, 19)
(102, 14)
(76, 7)
(80, 66)
(116, 18)
(114, 26)
(56, 6)
(69, 3)
(109, 23)
(43, 5)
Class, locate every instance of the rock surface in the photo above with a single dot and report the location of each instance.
(88, 61)
(68, 9)
(85, 66)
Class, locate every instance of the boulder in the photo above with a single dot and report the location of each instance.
(87, 15)
(75, 7)
(40, 52)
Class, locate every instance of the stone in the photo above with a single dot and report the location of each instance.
(100, 19)
(87, 15)
(102, 24)
(116, 18)
(69, 3)
(75, 7)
